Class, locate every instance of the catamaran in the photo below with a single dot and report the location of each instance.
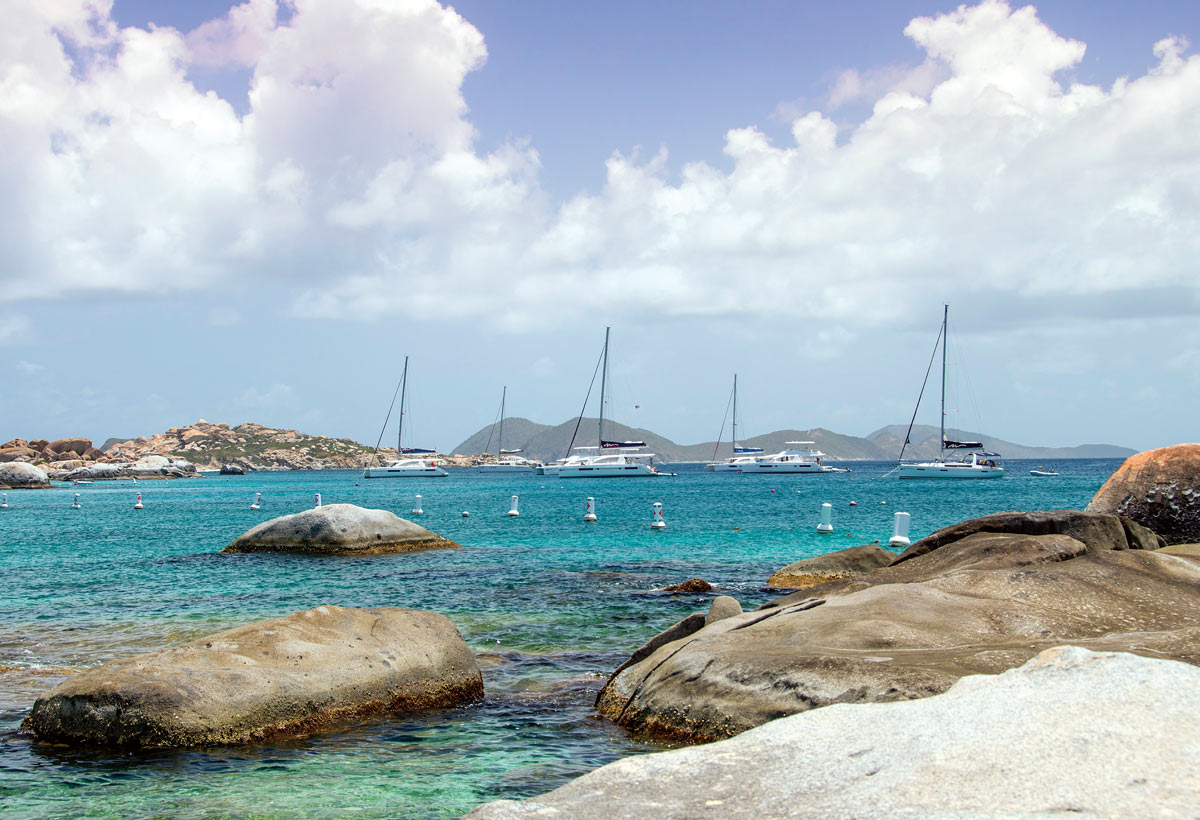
(613, 459)
(411, 461)
(741, 455)
(509, 461)
(791, 460)
(973, 461)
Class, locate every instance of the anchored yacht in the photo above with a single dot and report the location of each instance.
(411, 461)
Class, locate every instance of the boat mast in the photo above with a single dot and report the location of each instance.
(735, 414)
(603, 381)
(500, 438)
(403, 391)
(945, 344)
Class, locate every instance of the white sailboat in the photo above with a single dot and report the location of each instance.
(510, 461)
(613, 459)
(741, 455)
(411, 462)
(791, 459)
(973, 461)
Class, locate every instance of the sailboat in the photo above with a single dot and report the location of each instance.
(410, 461)
(973, 461)
(741, 455)
(510, 461)
(613, 459)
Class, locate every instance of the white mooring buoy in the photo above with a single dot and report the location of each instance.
(466, 514)
(658, 523)
(416, 510)
(590, 515)
(3, 502)
(257, 502)
(512, 511)
(899, 537)
(317, 500)
(826, 524)
(77, 505)
(138, 504)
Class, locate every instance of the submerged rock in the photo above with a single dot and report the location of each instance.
(845, 563)
(339, 529)
(1070, 732)
(975, 602)
(1159, 489)
(284, 676)
(690, 585)
(17, 475)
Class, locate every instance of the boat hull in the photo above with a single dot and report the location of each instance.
(938, 471)
(405, 472)
(784, 468)
(607, 471)
(489, 469)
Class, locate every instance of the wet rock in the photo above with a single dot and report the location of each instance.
(339, 529)
(284, 676)
(18, 475)
(1071, 732)
(1159, 489)
(690, 585)
(981, 602)
(845, 563)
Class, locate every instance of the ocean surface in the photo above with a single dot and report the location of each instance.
(550, 604)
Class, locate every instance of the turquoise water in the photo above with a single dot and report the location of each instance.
(551, 606)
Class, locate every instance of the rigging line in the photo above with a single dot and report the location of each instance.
(385, 421)
(579, 419)
(928, 370)
(488, 447)
(723, 420)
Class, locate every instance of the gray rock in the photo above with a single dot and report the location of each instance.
(1159, 489)
(17, 475)
(845, 563)
(1072, 733)
(723, 606)
(99, 472)
(982, 603)
(339, 529)
(283, 676)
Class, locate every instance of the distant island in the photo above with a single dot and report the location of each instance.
(210, 446)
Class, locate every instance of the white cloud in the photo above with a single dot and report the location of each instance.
(980, 177)
(253, 397)
(30, 368)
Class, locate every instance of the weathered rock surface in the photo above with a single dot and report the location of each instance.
(77, 446)
(981, 602)
(723, 606)
(1159, 489)
(1071, 733)
(284, 676)
(845, 563)
(690, 585)
(339, 529)
(147, 467)
(232, 469)
(17, 475)
(18, 453)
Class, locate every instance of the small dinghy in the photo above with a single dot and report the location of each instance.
(1042, 471)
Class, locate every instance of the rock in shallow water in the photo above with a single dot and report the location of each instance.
(339, 529)
(283, 676)
(1071, 733)
(976, 602)
(1159, 489)
(17, 475)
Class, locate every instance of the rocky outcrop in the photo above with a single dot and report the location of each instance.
(17, 475)
(284, 676)
(845, 563)
(232, 469)
(1159, 489)
(690, 585)
(977, 601)
(339, 529)
(147, 467)
(1072, 732)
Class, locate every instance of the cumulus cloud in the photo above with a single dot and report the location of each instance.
(354, 180)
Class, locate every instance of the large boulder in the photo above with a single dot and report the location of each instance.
(339, 529)
(284, 676)
(1159, 489)
(1070, 733)
(845, 563)
(18, 475)
(980, 603)
(98, 472)
(18, 454)
(78, 446)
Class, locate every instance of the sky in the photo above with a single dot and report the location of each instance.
(254, 212)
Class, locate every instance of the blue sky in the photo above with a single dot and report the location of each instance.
(255, 214)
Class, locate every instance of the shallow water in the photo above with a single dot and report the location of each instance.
(551, 605)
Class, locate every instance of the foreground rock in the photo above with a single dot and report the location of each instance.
(17, 475)
(339, 529)
(845, 563)
(976, 601)
(1159, 489)
(284, 676)
(1071, 732)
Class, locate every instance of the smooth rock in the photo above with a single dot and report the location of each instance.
(1159, 489)
(723, 606)
(982, 603)
(232, 469)
(18, 475)
(96, 472)
(1072, 733)
(284, 676)
(70, 445)
(845, 563)
(339, 529)
(18, 454)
